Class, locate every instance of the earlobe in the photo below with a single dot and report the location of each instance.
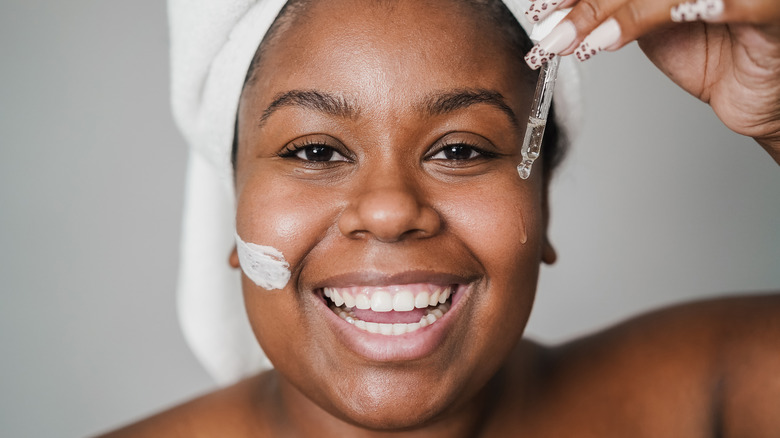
(549, 256)
(233, 259)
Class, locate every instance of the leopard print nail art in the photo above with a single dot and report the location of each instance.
(699, 10)
(537, 56)
(585, 51)
(539, 10)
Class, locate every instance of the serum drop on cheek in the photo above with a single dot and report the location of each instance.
(264, 265)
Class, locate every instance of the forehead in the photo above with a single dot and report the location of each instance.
(388, 52)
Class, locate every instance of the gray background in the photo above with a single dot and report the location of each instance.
(657, 203)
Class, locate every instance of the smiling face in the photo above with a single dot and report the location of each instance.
(377, 151)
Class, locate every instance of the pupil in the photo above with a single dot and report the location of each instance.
(319, 153)
(457, 152)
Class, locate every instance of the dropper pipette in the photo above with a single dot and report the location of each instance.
(540, 107)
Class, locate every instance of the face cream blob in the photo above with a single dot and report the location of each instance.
(264, 265)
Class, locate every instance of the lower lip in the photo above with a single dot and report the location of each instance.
(384, 348)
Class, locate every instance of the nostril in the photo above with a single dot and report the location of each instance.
(388, 216)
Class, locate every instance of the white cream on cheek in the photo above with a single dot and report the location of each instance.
(264, 265)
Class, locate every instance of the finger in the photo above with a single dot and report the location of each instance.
(587, 15)
(596, 25)
(721, 11)
(541, 9)
(567, 35)
(697, 10)
(634, 18)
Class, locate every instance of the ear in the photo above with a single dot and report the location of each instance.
(233, 259)
(549, 256)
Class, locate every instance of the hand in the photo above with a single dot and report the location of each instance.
(725, 52)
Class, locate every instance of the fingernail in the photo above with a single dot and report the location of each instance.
(540, 9)
(700, 10)
(537, 56)
(560, 38)
(603, 37)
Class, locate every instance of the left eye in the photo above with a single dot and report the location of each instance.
(319, 153)
(456, 152)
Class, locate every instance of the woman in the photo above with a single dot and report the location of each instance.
(375, 157)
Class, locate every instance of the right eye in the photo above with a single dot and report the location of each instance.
(318, 153)
(317, 149)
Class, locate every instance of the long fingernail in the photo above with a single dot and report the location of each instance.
(537, 56)
(603, 37)
(540, 9)
(560, 38)
(700, 10)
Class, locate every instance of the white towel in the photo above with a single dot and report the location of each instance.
(212, 45)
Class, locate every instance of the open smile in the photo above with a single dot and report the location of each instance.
(393, 318)
(391, 310)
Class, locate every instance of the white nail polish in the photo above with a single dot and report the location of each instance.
(560, 38)
(536, 57)
(540, 9)
(700, 10)
(603, 37)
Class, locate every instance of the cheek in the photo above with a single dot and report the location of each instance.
(501, 223)
(271, 212)
(503, 227)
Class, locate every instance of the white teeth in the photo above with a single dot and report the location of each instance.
(399, 328)
(336, 297)
(391, 329)
(349, 301)
(421, 300)
(444, 295)
(434, 300)
(381, 301)
(386, 329)
(403, 301)
(362, 302)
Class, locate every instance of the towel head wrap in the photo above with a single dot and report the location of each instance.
(213, 43)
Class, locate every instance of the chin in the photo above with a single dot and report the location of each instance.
(394, 401)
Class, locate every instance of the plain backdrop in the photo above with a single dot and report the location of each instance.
(657, 203)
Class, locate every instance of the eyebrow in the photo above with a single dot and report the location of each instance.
(438, 103)
(319, 101)
(450, 101)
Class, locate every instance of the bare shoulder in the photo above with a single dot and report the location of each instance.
(707, 368)
(236, 410)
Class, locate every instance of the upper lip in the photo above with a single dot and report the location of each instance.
(375, 278)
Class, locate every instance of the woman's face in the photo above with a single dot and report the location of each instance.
(378, 148)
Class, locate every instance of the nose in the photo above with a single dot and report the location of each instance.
(389, 213)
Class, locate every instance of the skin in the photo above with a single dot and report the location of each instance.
(731, 62)
(396, 203)
(392, 207)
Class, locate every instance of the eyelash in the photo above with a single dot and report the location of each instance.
(292, 150)
(482, 154)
